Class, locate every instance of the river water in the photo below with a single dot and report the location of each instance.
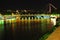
(24, 29)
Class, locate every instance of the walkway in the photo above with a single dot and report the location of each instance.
(55, 35)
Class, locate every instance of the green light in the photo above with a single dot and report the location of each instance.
(29, 18)
(1, 21)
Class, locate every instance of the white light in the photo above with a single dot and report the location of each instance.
(53, 20)
(46, 17)
(32, 17)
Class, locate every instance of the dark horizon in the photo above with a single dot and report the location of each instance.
(27, 4)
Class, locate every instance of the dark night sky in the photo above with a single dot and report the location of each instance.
(32, 4)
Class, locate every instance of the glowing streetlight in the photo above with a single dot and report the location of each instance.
(29, 18)
(25, 18)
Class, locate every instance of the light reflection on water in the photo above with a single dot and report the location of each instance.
(24, 29)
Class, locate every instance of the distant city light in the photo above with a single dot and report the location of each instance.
(43, 16)
(29, 18)
(38, 16)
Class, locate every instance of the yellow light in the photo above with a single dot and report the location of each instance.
(25, 18)
(35, 18)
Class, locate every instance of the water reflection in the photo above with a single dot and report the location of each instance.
(24, 28)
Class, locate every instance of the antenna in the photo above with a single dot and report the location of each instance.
(50, 5)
